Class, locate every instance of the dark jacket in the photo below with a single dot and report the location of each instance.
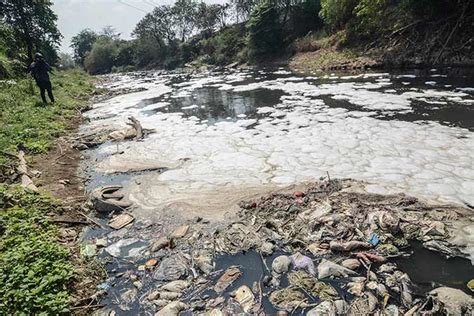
(39, 70)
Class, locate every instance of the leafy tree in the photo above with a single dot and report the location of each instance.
(265, 33)
(208, 16)
(34, 25)
(336, 13)
(102, 57)
(156, 26)
(184, 13)
(82, 45)
(243, 8)
(66, 61)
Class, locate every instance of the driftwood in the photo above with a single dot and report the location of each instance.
(137, 126)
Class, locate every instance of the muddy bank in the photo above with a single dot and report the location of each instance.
(330, 247)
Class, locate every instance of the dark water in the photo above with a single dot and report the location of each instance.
(429, 269)
(215, 105)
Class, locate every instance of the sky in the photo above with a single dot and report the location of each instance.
(123, 15)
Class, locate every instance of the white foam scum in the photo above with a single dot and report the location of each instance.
(297, 140)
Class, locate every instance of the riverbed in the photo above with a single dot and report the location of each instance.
(223, 136)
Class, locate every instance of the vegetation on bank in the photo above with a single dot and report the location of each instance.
(400, 33)
(35, 270)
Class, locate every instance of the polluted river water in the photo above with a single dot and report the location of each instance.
(223, 136)
(220, 137)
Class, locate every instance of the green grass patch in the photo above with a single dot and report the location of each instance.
(26, 123)
(34, 269)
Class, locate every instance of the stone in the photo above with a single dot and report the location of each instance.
(245, 297)
(325, 308)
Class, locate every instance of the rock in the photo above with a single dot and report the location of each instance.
(352, 264)
(121, 221)
(330, 269)
(172, 309)
(245, 297)
(451, 301)
(348, 245)
(230, 275)
(160, 243)
(300, 261)
(325, 308)
(171, 268)
(138, 284)
(281, 264)
(180, 232)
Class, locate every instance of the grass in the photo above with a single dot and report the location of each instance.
(25, 123)
(35, 269)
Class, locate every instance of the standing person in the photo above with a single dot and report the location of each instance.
(39, 70)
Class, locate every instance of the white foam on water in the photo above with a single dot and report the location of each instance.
(297, 140)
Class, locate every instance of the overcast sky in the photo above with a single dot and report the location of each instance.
(123, 15)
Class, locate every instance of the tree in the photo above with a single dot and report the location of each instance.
(208, 16)
(34, 25)
(156, 26)
(243, 8)
(65, 61)
(336, 13)
(82, 45)
(265, 33)
(102, 57)
(184, 14)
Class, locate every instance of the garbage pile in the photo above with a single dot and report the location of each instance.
(326, 251)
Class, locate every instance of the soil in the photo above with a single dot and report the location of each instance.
(59, 178)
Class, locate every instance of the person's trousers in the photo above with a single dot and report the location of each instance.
(45, 86)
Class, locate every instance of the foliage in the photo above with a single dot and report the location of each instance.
(65, 61)
(336, 13)
(34, 26)
(25, 123)
(265, 33)
(102, 57)
(34, 268)
(82, 45)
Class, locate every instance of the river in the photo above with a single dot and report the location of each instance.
(226, 135)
